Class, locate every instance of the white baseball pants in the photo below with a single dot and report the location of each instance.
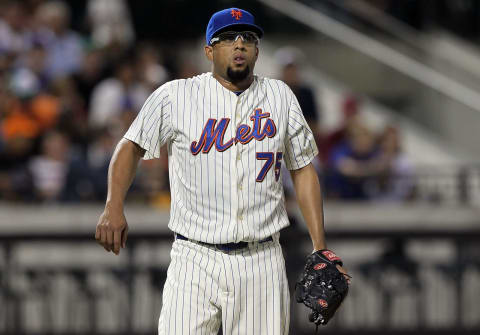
(246, 291)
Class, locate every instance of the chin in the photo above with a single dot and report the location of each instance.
(238, 74)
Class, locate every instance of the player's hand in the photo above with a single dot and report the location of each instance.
(112, 229)
(345, 274)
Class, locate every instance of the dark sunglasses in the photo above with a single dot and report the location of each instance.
(230, 37)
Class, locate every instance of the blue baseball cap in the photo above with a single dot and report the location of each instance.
(231, 19)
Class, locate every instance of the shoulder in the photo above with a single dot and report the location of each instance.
(275, 85)
(180, 87)
(195, 81)
(270, 81)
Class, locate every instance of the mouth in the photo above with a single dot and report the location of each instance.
(238, 60)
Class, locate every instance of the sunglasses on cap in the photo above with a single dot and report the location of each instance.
(230, 37)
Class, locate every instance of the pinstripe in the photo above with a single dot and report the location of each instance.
(201, 174)
(240, 304)
(164, 320)
(146, 107)
(266, 308)
(175, 195)
(254, 191)
(222, 158)
(274, 322)
(167, 301)
(234, 228)
(247, 222)
(185, 158)
(242, 206)
(192, 272)
(262, 308)
(246, 293)
(254, 293)
(185, 153)
(274, 227)
(228, 163)
(245, 171)
(175, 207)
(267, 216)
(191, 179)
(280, 284)
(234, 311)
(197, 180)
(176, 301)
(152, 112)
(205, 290)
(224, 286)
(249, 201)
(183, 288)
(218, 283)
(167, 132)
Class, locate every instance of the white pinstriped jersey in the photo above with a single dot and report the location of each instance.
(225, 153)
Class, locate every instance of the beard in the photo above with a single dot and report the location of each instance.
(236, 76)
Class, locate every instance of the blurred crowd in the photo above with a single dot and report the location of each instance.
(67, 97)
(360, 164)
(355, 162)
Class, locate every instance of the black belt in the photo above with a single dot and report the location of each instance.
(226, 247)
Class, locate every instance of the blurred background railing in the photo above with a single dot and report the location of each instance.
(413, 282)
(416, 270)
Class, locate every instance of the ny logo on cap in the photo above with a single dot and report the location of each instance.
(236, 14)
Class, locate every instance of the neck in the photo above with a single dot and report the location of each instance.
(234, 87)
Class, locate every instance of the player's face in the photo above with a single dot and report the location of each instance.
(233, 61)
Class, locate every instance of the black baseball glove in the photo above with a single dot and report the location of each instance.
(321, 287)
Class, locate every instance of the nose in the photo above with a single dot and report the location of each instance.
(239, 44)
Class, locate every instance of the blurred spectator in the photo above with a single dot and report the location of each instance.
(49, 169)
(15, 37)
(30, 71)
(394, 182)
(110, 23)
(187, 69)
(151, 72)
(14, 152)
(116, 100)
(99, 153)
(352, 164)
(290, 60)
(72, 110)
(349, 112)
(64, 47)
(26, 118)
(91, 73)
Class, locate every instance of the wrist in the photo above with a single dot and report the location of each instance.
(114, 204)
(318, 248)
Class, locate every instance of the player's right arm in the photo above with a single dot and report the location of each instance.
(112, 227)
(151, 129)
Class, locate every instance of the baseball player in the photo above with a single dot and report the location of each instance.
(228, 132)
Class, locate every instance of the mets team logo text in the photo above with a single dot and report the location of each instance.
(213, 133)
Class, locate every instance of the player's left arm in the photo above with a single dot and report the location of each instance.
(309, 198)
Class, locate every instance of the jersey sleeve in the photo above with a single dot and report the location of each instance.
(152, 127)
(300, 146)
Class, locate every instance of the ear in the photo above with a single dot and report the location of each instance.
(256, 53)
(209, 52)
